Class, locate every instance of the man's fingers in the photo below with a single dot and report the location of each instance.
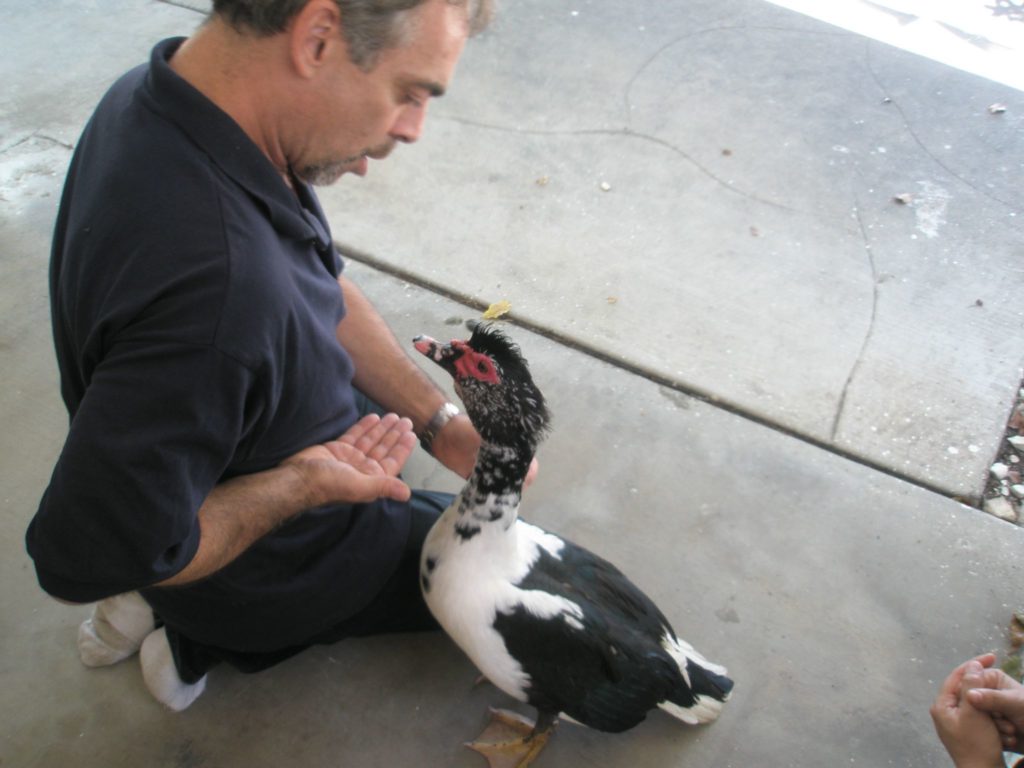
(400, 452)
(387, 456)
(360, 428)
(376, 432)
(372, 434)
(387, 440)
(393, 488)
(381, 431)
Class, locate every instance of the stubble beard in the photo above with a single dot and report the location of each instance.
(323, 174)
(326, 173)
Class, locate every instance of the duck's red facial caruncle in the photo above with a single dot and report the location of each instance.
(471, 364)
(459, 359)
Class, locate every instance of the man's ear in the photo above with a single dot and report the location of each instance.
(312, 34)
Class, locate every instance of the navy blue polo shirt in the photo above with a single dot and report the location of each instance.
(195, 303)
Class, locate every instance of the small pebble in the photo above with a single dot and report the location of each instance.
(1017, 490)
(1001, 508)
(605, 186)
(997, 109)
(999, 470)
(1017, 441)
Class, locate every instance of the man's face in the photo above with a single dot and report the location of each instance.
(358, 115)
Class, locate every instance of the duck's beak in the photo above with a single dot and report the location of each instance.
(442, 354)
(429, 347)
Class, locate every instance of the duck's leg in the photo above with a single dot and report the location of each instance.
(513, 741)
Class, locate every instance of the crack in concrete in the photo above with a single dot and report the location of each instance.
(35, 135)
(841, 405)
(917, 139)
(631, 134)
(700, 33)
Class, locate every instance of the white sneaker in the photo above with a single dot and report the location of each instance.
(161, 675)
(115, 630)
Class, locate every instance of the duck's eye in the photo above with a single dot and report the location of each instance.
(474, 365)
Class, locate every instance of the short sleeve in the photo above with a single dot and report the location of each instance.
(157, 427)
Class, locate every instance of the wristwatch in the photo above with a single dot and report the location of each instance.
(444, 414)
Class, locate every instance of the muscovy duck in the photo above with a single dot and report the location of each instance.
(545, 620)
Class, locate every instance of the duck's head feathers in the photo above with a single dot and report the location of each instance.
(494, 383)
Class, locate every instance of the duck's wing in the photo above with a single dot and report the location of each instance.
(603, 666)
(578, 574)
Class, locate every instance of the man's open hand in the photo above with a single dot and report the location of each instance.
(361, 465)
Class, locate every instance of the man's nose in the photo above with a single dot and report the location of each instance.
(409, 125)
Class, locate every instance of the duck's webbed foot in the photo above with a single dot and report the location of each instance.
(511, 740)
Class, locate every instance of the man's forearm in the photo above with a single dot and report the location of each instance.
(239, 512)
(360, 466)
(384, 371)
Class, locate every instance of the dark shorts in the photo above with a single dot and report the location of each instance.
(398, 607)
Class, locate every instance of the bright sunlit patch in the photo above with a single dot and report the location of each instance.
(984, 37)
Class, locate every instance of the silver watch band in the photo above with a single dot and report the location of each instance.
(442, 416)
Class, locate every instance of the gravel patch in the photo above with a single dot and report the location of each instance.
(1004, 490)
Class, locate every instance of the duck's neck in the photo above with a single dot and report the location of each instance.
(492, 494)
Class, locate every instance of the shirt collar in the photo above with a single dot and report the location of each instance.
(228, 146)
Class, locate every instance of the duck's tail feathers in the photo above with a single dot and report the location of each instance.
(707, 687)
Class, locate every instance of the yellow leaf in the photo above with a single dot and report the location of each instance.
(497, 309)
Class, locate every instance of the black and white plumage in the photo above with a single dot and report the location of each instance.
(545, 620)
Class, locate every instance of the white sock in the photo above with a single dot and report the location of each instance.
(161, 675)
(115, 630)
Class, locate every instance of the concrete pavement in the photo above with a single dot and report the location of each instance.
(747, 247)
(757, 361)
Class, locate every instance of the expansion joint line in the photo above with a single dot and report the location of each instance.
(577, 345)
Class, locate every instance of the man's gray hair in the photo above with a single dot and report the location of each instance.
(370, 26)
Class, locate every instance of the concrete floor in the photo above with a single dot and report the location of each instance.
(770, 382)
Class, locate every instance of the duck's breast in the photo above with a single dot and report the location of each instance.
(468, 583)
